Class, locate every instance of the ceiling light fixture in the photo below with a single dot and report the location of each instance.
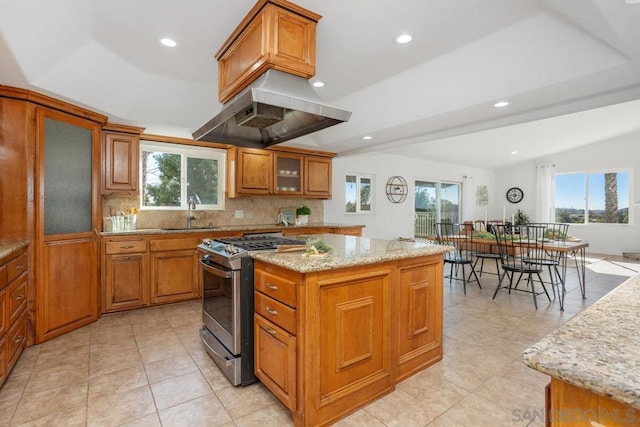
(632, 1)
(318, 84)
(404, 38)
(168, 42)
(501, 104)
(514, 152)
(367, 137)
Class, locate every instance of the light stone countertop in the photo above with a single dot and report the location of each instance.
(247, 228)
(599, 348)
(8, 249)
(349, 251)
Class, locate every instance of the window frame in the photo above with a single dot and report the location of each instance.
(585, 191)
(359, 177)
(185, 151)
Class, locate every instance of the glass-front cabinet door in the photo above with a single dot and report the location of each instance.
(288, 173)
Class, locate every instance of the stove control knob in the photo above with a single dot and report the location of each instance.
(232, 249)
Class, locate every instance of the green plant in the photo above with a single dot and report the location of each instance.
(520, 218)
(303, 210)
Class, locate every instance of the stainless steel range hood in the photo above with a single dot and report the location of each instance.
(276, 107)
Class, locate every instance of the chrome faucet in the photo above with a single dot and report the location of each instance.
(191, 204)
(282, 220)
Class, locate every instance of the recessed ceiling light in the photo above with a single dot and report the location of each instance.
(632, 1)
(168, 42)
(404, 38)
(514, 152)
(318, 84)
(501, 104)
(367, 137)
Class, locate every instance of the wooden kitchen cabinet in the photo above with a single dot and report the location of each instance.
(278, 171)
(125, 282)
(275, 34)
(120, 154)
(353, 332)
(317, 177)
(13, 312)
(174, 270)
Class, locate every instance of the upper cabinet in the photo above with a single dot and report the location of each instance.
(253, 171)
(120, 154)
(275, 34)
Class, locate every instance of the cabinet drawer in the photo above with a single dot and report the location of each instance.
(16, 298)
(16, 267)
(3, 312)
(16, 339)
(3, 276)
(126, 247)
(276, 287)
(174, 244)
(277, 312)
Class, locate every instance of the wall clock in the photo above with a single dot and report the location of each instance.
(515, 195)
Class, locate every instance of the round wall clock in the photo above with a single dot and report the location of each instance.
(515, 195)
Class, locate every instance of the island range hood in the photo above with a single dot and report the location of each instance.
(274, 108)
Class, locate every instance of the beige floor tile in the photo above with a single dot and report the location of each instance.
(358, 419)
(436, 392)
(118, 381)
(150, 420)
(216, 379)
(51, 401)
(7, 409)
(14, 386)
(511, 395)
(444, 421)
(76, 356)
(111, 349)
(169, 368)
(112, 334)
(206, 411)
(174, 391)
(57, 376)
(158, 352)
(401, 409)
(78, 338)
(72, 417)
(474, 410)
(241, 401)
(103, 363)
(275, 415)
(118, 408)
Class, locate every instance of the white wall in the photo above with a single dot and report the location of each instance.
(391, 220)
(622, 152)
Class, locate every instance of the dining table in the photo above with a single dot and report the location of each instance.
(572, 248)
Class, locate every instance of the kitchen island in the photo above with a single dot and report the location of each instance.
(336, 331)
(594, 361)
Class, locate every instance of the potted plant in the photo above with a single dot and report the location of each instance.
(303, 213)
(521, 218)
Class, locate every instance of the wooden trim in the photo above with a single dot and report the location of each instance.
(47, 101)
(297, 150)
(112, 127)
(183, 141)
(256, 10)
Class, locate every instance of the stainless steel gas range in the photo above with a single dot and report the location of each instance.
(227, 300)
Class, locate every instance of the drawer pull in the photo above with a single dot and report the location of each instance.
(271, 311)
(126, 247)
(19, 297)
(270, 331)
(272, 286)
(20, 267)
(18, 340)
(126, 257)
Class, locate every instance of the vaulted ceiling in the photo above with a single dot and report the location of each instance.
(569, 68)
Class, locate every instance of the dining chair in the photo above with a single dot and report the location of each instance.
(554, 232)
(482, 251)
(457, 236)
(521, 252)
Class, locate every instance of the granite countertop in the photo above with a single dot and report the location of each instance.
(8, 248)
(349, 251)
(248, 228)
(598, 349)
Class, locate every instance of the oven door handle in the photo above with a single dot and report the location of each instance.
(225, 274)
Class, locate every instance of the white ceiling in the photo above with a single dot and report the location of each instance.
(571, 69)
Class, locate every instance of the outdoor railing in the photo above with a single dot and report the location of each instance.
(424, 223)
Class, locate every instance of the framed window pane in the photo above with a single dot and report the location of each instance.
(202, 180)
(161, 173)
(569, 198)
(350, 193)
(608, 198)
(365, 194)
(358, 193)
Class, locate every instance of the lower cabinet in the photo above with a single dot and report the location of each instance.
(174, 276)
(13, 312)
(125, 277)
(329, 342)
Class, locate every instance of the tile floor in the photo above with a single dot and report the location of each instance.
(147, 368)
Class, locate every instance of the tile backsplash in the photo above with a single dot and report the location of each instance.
(255, 211)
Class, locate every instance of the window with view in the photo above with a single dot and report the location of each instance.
(436, 202)
(171, 173)
(359, 198)
(592, 197)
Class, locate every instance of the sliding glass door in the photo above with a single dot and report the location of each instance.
(436, 202)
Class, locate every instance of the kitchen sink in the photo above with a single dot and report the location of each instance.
(188, 228)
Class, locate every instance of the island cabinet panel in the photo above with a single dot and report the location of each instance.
(572, 406)
(419, 310)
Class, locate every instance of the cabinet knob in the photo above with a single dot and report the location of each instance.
(271, 286)
(271, 311)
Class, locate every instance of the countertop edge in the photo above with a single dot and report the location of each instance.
(223, 229)
(9, 248)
